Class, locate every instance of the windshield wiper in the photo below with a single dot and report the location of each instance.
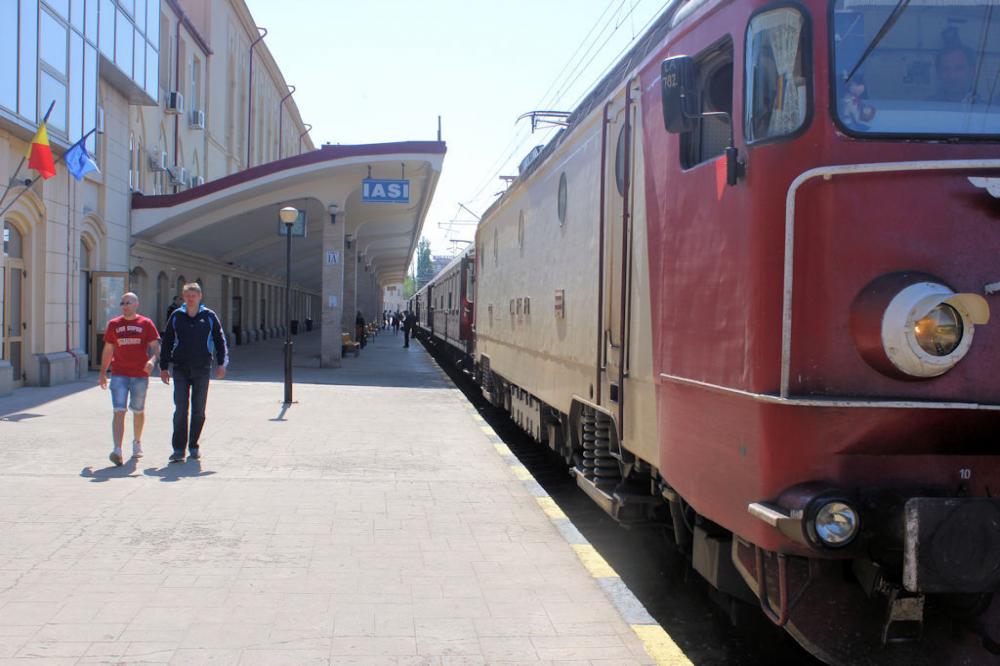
(886, 27)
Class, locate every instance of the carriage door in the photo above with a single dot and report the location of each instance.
(615, 243)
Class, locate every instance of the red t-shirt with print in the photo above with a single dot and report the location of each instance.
(131, 337)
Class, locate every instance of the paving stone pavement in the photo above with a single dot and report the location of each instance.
(373, 522)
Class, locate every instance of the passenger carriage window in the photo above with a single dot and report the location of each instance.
(520, 231)
(776, 74)
(710, 135)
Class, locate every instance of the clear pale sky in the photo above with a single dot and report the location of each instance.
(369, 72)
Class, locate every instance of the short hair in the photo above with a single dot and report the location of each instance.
(191, 286)
(132, 294)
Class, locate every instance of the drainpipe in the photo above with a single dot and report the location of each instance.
(308, 129)
(177, 80)
(281, 108)
(262, 33)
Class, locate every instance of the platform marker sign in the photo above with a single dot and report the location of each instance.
(385, 191)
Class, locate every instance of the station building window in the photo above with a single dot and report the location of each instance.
(49, 53)
(777, 91)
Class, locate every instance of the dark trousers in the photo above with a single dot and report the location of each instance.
(190, 386)
(406, 336)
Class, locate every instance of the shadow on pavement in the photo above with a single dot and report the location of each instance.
(189, 469)
(128, 470)
(15, 407)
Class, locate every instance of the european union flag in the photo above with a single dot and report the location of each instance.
(78, 160)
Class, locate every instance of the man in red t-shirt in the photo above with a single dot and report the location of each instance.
(131, 348)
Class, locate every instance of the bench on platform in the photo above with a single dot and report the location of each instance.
(348, 345)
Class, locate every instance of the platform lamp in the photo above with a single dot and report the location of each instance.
(288, 216)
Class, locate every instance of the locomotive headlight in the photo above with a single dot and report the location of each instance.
(835, 524)
(939, 332)
(928, 328)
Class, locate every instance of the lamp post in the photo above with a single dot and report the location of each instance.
(288, 216)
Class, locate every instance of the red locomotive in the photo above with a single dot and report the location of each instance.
(747, 290)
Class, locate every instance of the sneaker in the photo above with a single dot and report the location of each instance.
(116, 457)
(176, 457)
(194, 454)
(136, 449)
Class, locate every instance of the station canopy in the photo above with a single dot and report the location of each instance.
(234, 219)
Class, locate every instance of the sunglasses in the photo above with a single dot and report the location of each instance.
(127, 303)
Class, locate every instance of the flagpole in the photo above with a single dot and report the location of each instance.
(31, 186)
(23, 158)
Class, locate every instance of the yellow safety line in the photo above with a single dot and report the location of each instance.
(550, 508)
(654, 638)
(660, 646)
(521, 472)
(596, 565)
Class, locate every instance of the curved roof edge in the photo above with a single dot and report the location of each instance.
(326, 153)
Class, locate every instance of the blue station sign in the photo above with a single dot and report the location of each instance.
(385, 191)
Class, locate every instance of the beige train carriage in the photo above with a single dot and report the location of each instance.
(559, 342)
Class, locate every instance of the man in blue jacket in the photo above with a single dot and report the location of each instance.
(193, 335)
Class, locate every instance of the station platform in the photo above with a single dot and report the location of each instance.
(377, 520)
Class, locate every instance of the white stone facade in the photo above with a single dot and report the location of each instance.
(71, 238)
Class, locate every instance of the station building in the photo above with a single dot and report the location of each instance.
(199, 143)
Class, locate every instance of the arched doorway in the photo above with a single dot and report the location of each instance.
(13, 315)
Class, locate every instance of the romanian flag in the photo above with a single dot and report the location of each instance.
(39, 154)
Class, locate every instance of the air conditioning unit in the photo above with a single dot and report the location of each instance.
(175, 102)
(178, 175)
(196, 181)
(197, 119)
(157, 160)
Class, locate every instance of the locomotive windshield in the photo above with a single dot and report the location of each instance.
(922, 68)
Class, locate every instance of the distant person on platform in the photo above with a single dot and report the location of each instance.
(359, 329)
(409, 322)
(193, 336)
(394, 320)
(131, 345)
(178, 302)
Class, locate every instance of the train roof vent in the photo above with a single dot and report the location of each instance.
(529, 158)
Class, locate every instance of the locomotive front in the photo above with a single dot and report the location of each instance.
(863, 391)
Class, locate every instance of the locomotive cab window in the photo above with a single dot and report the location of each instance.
(777, 91)
(710, 135)
(917, 69)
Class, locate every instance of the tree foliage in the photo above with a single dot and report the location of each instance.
(409, 286)
(425, 267)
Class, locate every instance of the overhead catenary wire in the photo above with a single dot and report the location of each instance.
(564, 84)
(516, 142)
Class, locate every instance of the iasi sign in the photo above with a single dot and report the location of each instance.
(385, 191)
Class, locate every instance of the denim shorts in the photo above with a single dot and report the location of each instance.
(123, 387)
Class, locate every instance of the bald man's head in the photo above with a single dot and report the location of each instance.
(130, 305)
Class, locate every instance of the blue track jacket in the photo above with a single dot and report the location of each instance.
(192, 341)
